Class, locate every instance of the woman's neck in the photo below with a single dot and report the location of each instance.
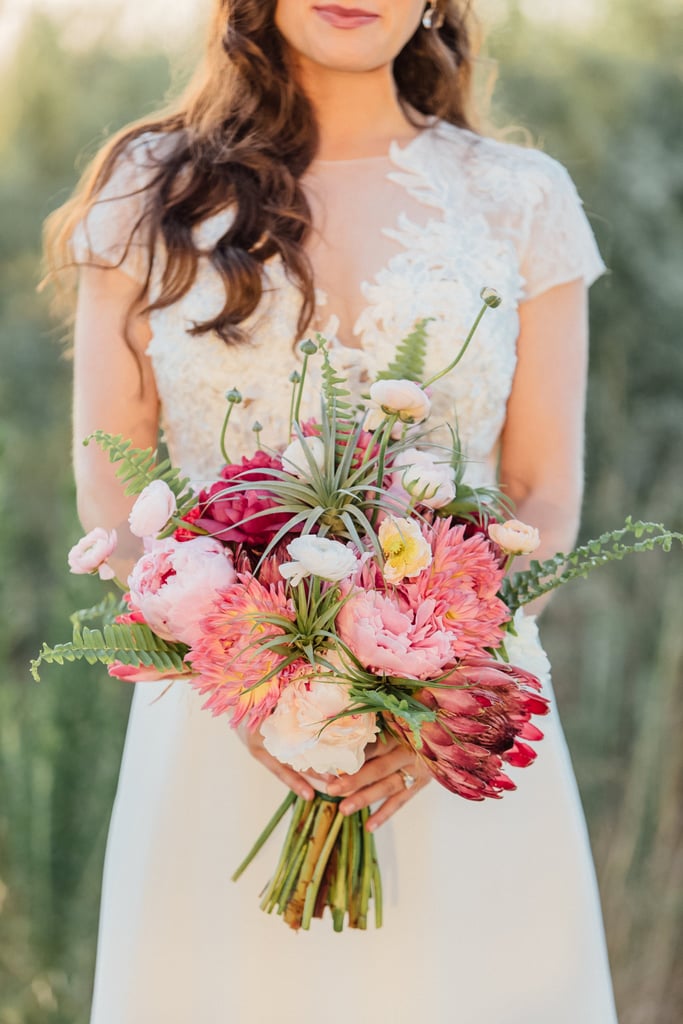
(358, 114)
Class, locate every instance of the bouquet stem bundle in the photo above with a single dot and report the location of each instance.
(328, 860)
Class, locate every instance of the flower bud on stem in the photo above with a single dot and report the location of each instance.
(233, 398)
(491, 301)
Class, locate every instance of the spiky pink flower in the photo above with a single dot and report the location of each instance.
(429, 622)
(483, 719)
(463, 581)
(231, 657)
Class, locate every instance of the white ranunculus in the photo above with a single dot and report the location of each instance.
(404, 398)
(429, 480)
(295, 460)
(296, 732)
(514, 537)
(525, 649)
(317, 556)
(152, 510)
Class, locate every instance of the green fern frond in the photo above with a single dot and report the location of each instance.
(409, 360)
(107, 611)
(134, 644)
(542, 577)
(334, 390)
(138, 468)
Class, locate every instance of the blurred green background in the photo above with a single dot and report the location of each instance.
(605, 96)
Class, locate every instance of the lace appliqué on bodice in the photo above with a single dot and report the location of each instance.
(499, 216)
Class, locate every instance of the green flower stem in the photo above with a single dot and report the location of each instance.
(339, 897)
(325, 815)
(267, 832)
(366, 869)
(296, 853)
(387, 427)
(321, 864)
(463, 349)
(270, 895)
(376, 884)
(233, 398)
(299, 388)
(291, 880)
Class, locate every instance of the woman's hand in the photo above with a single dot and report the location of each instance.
(300, 784)
(380, 778)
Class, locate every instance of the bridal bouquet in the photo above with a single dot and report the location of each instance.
(344, 589)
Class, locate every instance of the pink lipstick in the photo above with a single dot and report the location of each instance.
(345, 17)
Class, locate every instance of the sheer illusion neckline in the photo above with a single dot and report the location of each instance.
(395, 148)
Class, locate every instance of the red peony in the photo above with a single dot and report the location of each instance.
(242, 516)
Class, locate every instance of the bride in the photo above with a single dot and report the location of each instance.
(322, 172)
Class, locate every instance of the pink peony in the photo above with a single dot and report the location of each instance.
(305, 732)
(482, 721)
(388, 636)
(247, 516)
(91, 553)
(174, 585)
(229, 656)
(427, 623)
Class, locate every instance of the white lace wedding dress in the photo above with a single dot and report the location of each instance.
(492, 914)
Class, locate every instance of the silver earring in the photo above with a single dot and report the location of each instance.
(428, 16)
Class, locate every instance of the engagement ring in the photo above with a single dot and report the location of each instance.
(407, 779)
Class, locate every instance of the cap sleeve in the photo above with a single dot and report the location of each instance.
(560, 244)
(114, 231)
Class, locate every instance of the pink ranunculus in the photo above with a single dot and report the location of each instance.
(174, 585)
(481, 722)
(91, 553)
(152, 510)
(515, 537)
(235, 515)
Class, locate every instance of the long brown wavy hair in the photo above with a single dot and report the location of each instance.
(241, 136)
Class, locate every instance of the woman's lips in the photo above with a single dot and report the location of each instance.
(345, 17)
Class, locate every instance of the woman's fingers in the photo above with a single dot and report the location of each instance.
(293, 780)
(390, 806)
(375, 769)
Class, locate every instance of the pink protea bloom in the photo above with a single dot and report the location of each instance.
(173, 585)
(483, 721)
(229, 657)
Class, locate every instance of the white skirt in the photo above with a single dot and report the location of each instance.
(491, 914)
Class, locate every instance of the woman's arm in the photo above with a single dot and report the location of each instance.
(114, 390)
(543, 438)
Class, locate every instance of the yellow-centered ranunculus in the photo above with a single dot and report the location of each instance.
(405, 550)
